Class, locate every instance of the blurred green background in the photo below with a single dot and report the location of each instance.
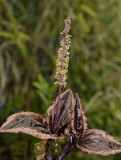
(29, 40)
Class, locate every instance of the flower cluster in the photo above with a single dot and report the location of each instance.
(63, 56)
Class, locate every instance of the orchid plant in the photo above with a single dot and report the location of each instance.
(65, 117)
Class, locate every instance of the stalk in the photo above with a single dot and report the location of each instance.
(62, 65)
(56, 116)
(68, 148)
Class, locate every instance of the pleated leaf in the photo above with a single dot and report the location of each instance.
(79, 120)
(65, 110)
(98, 142)
(28, 123)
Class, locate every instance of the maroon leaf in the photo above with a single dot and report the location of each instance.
(79, 120)
(29, 123)
(98, 142)
(93, 141)
(65, 110)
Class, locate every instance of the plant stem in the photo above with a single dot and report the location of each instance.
(68, 148)
(49, 157)
(50, 149)
(57, 109)
(56, 116)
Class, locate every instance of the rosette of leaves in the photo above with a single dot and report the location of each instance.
(39, 127)
(71, 125)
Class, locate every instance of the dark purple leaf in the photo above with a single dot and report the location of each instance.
(29, 123)
(98, 142)
(64, 114)
(79, 120)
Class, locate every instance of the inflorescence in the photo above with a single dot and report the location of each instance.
(63, 56)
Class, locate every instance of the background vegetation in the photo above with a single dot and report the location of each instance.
(29, 40)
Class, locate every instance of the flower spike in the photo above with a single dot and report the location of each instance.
(63, 56)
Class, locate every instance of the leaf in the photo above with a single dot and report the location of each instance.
(23, 36)
(12, 18)
(43, 89)
(65, 110)
(43, 81)
(83, 23)
(98, 142)
(28, 123)
(37, 85)
(22, 48)
(88, 10)
(43, 97)
(42, 84)
(7, 35)
(79, 120)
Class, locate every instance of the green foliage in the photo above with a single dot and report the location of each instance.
(88, 10)
(29, 40)
(44, 91)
